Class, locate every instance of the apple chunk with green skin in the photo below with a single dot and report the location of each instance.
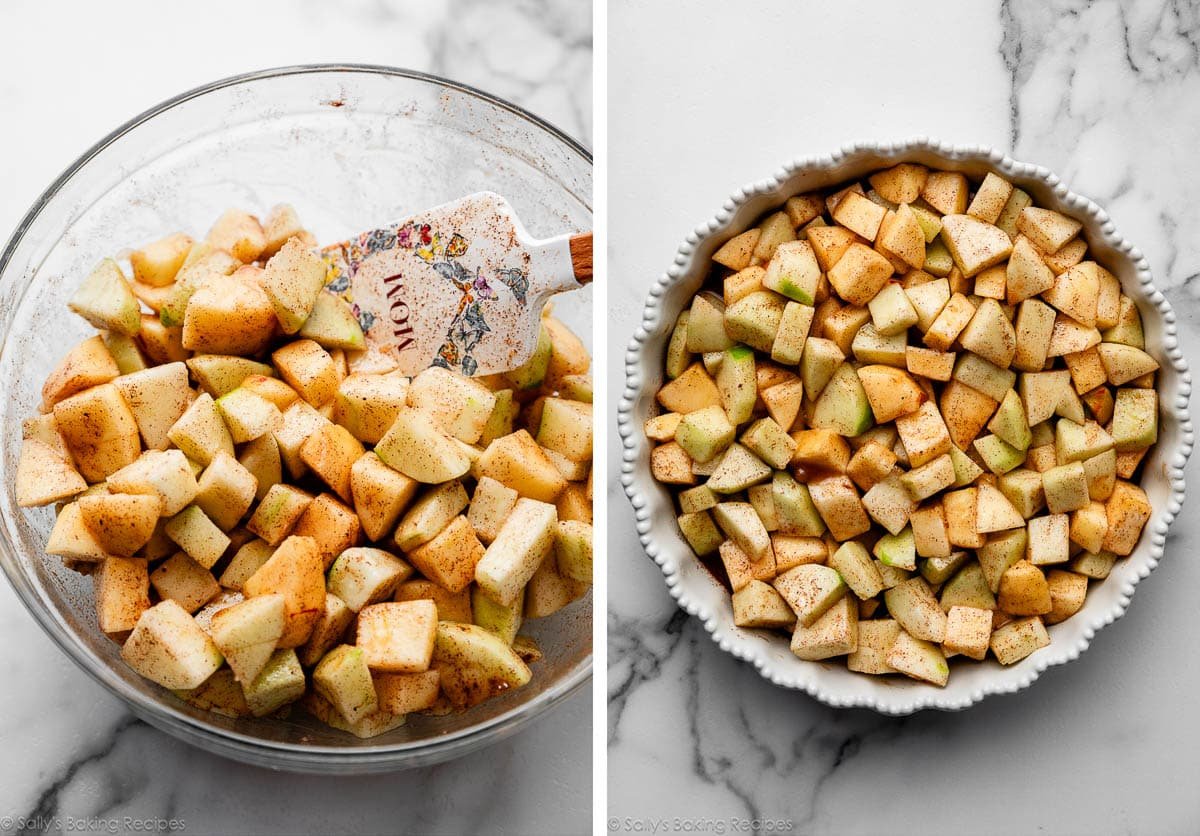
(344, 679)
(168, 647)
(332, 324)
(416, 448)
(918, 659)
(891, 392)
(810, 590)
(737, 384)
(843, 405)
(1135, 419)
(794, 272)
(1009, 422)
(247, 633)
(475, 664)
(854, 564)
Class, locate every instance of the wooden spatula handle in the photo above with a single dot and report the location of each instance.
(581, 257)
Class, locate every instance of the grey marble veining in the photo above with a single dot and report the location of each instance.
(69, 752)
(1108, 95)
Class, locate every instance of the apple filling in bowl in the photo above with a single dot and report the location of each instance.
(905, 420)
(273, 515)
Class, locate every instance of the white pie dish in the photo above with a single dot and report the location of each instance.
(701, 595)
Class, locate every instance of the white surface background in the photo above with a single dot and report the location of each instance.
(69, 74)
(1107, 95)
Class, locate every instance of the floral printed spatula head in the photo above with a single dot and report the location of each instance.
(461, 285)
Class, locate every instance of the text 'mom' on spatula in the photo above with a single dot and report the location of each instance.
(461, 285)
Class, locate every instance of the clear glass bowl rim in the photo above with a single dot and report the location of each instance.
(294, 756)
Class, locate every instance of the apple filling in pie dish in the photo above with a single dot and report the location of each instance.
(273, 516)
(904, 421)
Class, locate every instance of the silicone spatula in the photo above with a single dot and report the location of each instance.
(461, 285)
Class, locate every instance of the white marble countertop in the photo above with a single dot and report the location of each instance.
(1108, 95)
(71, 72)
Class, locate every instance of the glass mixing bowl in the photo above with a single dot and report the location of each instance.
(350, 147)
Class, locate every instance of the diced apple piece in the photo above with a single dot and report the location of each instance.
(928, 300)
(901, 183)
(758, 605)
(968, 631)
(72, 540)
(737, 470)
(1128, 511)
(99, 430)
(1035, 326)
(405, 693)
(923, 434)
(1128, 330)
(344, 679)
(44, 476)
(890, 391)
(122, 590)
(246, 634)
(839, 505)
(86, 365)
(1017, 639)
(1067, 593)
(1048, 229)
(810, 590)
(793, 271)
(875, 640)
(754, 319)
(1023, 589)
(949, 323)
(994, 512)
(737, 251)
(859, 274)
(974, 244)
(916, 610)
(106, 300)
(854, 564)
(295, 571)
(843, 405)
(1001, 551)
(833, 633)
(120, 523)
(512, 558)
(475, 664)
(1135, 419)
(1066, 488)
(990, 335)
(898, 550)
(168, 647)
(398, 637)
(968, 588)
(769, 442)
(1125, 363)
(197, 535)
(416, 448)
(870, 465)
(794, 326)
